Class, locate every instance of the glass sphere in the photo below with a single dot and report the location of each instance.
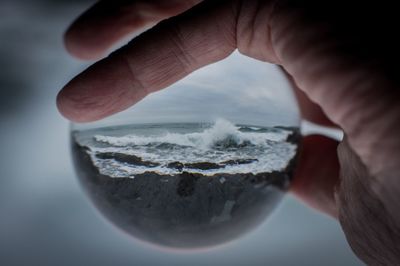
(199, 163)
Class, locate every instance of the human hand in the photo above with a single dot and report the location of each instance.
(337, 55)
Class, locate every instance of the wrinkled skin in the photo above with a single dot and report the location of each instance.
(340, 58)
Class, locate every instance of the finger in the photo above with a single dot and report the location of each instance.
(317, 174)
(96, 30)
(154, 60)
(308, 109)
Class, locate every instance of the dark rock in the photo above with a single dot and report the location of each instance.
(239, 161)
(230, 142)
(125, 158)
(294, 138)
(204, 166)
(176, 165)
(186, 184)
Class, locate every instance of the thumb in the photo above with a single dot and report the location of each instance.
(370, 225)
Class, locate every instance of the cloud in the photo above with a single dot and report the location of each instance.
(239, 89)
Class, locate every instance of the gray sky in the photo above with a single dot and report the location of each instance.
(238, 88)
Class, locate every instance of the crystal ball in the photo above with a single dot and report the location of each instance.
(199, 163)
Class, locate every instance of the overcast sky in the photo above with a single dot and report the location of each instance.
(238, 88)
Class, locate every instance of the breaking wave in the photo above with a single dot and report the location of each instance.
(220, 148)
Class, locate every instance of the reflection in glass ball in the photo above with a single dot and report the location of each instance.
(197, 164)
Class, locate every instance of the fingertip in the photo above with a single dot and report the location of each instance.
(103, 89)
(67, 109)
(76, 46)
(61, 106)
(74, 105)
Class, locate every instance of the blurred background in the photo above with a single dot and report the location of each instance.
(46, 219)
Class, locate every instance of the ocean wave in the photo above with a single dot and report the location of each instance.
(220, 148)
(222, 134)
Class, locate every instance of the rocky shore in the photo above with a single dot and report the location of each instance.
(183, 210)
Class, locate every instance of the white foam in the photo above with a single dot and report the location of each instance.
(202, 140)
